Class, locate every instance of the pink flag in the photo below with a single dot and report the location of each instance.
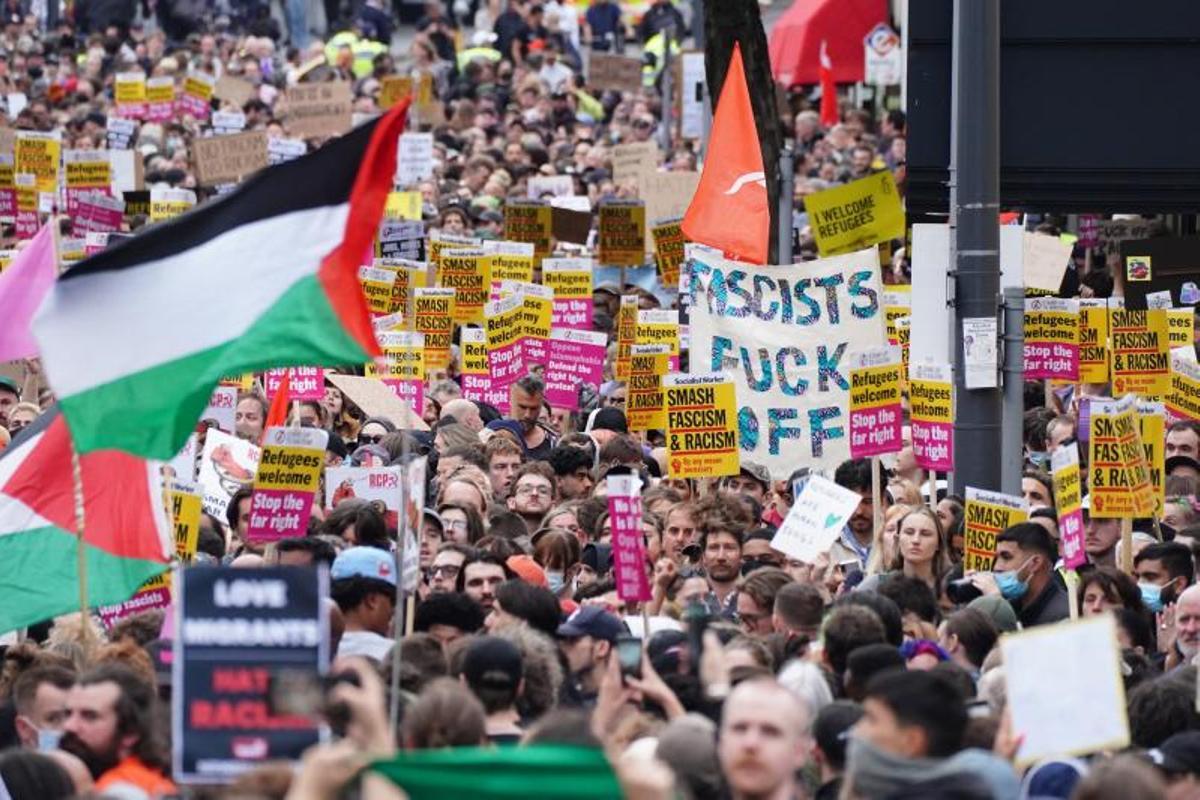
(22, 287)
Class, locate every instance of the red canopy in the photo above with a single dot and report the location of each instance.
(795, 42)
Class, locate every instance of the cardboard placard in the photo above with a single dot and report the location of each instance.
(229, 159)
(375, 399)
(233, 90)
(316, 110)
(611, 71)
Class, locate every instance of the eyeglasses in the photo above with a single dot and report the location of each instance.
(444, 570)
(454, 524)
(526, 490)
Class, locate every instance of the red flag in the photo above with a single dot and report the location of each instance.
(829, 101)
(729, 210)
(277, 415)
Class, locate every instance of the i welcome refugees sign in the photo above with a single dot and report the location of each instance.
(785, 334)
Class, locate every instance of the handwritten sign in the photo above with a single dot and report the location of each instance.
(861, 213)
(315, 110)
(228, 159)
(815, 520)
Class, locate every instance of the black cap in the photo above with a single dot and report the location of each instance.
(1181, 754)
(336, 445)
(493, 663)
(598, 556)
(609, 419)
(1181, 461)
(832, 727)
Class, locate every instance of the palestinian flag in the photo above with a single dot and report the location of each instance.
(135, 338)
(126, 532)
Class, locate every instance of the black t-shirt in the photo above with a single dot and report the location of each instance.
(509, 26)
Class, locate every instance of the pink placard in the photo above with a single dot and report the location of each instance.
(575, 358)
(304, 383)
(933, 445)
(1070, 529)
(27, 224)
(159, 597)
(1052, 360)
(194, 106)
(410, 391)
(875, 431)
(479, 388)
(507, 365)
(572, 312)
(629, 553)
(95, 212)
(160, 111)
(278, 514)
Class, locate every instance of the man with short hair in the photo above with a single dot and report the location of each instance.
(798, 611)
(111, 714)
(237, 515)
(573, 468)
(1187, 629)
(831, 729)
(1037, 488)
(304, 551)
(855, 542)
(586, 640)
(1058, 431)
(40, 705)
(363, 584)
(504, 457)
(721, 527)
(448, 617)
(848, 628)
(517, 601)
(968, 635)
(752, 480)
(250, 415)
(525, 407)
(1163, 570)
(1183, 439)
(906, 715)
(465, 412)
(1100, 536)
(1024, 575)
(480, 577)
(756, 600)
(765, 741)
(679, 530)
(532, 494)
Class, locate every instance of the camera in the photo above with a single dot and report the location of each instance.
(962, 591)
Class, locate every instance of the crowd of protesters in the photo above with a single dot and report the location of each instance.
(872, 672)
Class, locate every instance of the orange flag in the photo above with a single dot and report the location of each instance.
(730, 210)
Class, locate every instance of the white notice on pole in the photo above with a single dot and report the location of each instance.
(980, 335)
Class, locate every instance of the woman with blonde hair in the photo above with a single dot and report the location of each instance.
(921, 550)
(884, 546)
(468, 485)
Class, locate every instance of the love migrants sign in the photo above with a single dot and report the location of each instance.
(786, 334)
(238, 630)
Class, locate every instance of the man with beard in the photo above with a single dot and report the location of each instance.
(532, 494)
(110, 726)
(764, 741)
(525, 406)
(1163, 570)
(1187, 629)
(855, 542)
(722, 522)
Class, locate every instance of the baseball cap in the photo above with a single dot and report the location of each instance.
(1180, 461)
(527, 570)
(432, 515)
(492, 662)
(592, 621)
(10, 385)
(364, 562)
(758, 472)
(831, 729)
(1180, 754)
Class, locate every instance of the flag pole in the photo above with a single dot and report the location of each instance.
(81, 547)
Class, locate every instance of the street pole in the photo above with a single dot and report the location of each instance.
(667, 86)
(787, 186)
(974, 220)
(1012, 448)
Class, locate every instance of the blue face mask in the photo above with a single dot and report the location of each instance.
(554, 579)
(1040, 460)
(48, 740)
(1010, 585)
(1152, 596)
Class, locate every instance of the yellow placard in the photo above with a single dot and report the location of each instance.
(403, 356)
(668, 250)
(570, 278)
(874, 387)
(1152, 428)
(896, 305)
(985, 516)
(1093, 341)
(1140, 352)
(857, 215)
(658, 326)
(645, 403)
(403, 205)
(473, 342)
(622, 238)
(199, 86)
(1181, 325)
(701, 426)
(129, 87)
(1183, 398)
(469, 273)
(512, 261)
(529, 221)
(1119, 478)
(160, 90)
(393, 89)
(433, 316)
(185, 514)
(38, 154)
(627, 317)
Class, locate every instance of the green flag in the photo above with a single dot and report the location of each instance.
(524, 773)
